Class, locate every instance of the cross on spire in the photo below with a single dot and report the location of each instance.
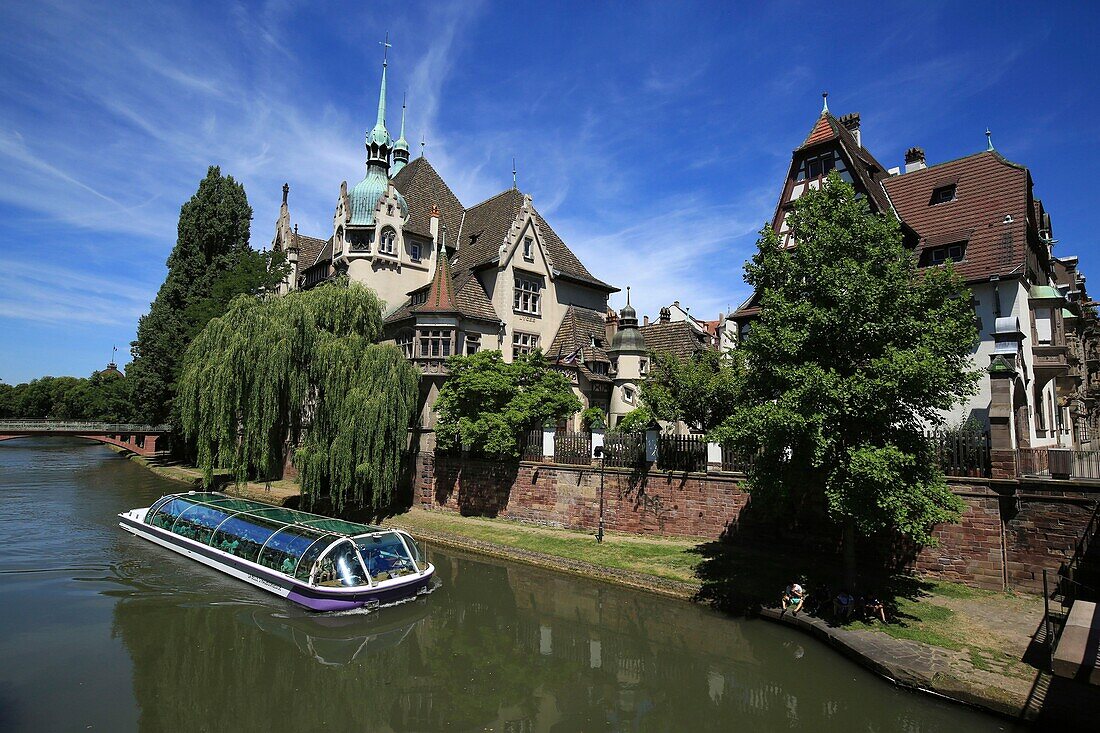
(423, 142)
(988, 139)
(385, 48)
(824, 102)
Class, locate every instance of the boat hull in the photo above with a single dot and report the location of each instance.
(309, 596)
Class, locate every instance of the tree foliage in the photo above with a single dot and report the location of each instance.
(210, 264)
(489, 405)
(854, 352)
(103, 397)
(701, 390)
(638, 419)
(273, 372)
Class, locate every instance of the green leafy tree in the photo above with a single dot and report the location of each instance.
(210, 264)
(854, 352)
(638, 419)
(489, 405)
(701, 390)
(302, 370)
(103, 397)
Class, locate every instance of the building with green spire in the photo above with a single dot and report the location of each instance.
(456, 280)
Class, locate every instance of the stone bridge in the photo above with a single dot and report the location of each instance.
(140, 439)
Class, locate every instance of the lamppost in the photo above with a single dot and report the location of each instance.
(598, 451)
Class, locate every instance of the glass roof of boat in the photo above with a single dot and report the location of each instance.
(276, 514)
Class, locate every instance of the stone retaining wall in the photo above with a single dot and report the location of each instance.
(1009, 531)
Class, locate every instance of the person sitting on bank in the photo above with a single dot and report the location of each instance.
(844, 605)
(874, 608)
(794, 598)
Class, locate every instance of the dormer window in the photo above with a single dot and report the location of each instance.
(527, 297)
(943, 194)
(952, 252)
(598, 367)
(420, 297)
(820, 166)
(386, 242)
(528, 248)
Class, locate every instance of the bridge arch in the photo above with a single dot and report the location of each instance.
(142, 440)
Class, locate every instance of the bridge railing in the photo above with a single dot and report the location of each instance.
(72, 426)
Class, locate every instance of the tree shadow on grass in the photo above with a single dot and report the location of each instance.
(757, 557)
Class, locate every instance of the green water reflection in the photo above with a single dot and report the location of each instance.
(108, 631)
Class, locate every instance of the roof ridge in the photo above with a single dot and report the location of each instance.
(494, 196)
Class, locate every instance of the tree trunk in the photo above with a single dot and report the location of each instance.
(849, 543)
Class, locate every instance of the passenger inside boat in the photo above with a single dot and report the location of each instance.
(385, 556)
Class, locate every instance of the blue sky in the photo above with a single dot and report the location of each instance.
(654, 137)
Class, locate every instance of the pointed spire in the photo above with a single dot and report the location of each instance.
(286, 192)
(404, 99)
(441, 293)
(401, 147)
(381, 121)
(514, 186)
(628, 295)
(824, 103)
(988, 139)
(423, 142)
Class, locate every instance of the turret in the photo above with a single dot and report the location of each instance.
(401, 147)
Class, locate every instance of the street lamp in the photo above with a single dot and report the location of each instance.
(598, 451)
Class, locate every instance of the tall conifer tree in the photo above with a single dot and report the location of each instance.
(210, 263)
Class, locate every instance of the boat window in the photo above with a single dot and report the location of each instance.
(385, 556)
(340, 567)
(309, 557)
(157, 505)
(199, 522)
(286, 547)
(415, 548)
(243, 535)
(165, 517)
(338, 525)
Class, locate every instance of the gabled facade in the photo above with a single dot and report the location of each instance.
(980, 213)
(455, 280)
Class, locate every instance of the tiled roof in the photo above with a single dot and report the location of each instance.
(486, 225)
(441, 292)
(579, 328)
(423, 188)
(308, 249)
(677, 337)
(864, 167)
(470, 301)
(987, 188)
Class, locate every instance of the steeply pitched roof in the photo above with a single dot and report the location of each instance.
(486, 225)
(441, 291)
(676, 337)
(580, 329)
(423, 188)
(987, 188)
(470, 301)
(308, 249)
(864, 168)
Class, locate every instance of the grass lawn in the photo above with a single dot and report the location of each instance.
(673, 559)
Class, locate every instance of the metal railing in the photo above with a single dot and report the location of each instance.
(624, 450)
(531, 446)
(71, 426)
(1065, 589)
(1059, 462)
(735, 461)
(573, 448)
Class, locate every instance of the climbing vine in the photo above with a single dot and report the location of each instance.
(302, 370)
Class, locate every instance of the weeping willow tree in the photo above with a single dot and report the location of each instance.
(302, 370)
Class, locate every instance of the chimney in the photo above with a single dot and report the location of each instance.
(433, 225)
(645, 320)
(610, 325)
(914, 160)
(851, 124)
(666, 315)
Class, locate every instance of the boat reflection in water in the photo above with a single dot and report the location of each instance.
(500, 647)
(336, 640)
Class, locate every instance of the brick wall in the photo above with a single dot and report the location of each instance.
(1009, 531)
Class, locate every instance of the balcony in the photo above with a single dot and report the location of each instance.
(1051, 360)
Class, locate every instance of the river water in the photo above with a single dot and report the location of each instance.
(100, 630)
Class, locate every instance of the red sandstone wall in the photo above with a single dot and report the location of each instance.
(1008, 533)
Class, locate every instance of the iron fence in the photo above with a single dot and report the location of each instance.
(962, 453)
(573, 448)
(624, 450)
(531, 446)
(736, 461)
(682, 453)
(1059, 462)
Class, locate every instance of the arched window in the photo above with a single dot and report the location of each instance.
(386, 242)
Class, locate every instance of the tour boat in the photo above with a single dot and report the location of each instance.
(318, 562)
